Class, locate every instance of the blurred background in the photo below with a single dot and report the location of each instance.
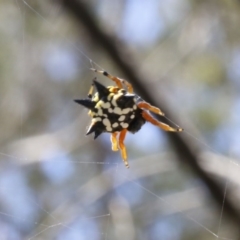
(56, 183)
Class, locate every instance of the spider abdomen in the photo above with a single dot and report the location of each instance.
(117, 111)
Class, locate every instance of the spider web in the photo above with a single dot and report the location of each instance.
(56, 184)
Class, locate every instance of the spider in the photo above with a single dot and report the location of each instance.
(117, 110)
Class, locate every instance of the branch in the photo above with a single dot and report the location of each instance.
(186, 151)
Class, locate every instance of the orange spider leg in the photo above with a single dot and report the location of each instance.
(155, 122)
(150, 108)
(117, 80)
(114, 141)
(122, 146)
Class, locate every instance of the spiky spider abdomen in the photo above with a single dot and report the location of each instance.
(115, 110)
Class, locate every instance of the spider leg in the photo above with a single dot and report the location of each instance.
(114, 141)
(162, 125)
(90, 92)
(122, 147)
(151, 108)
(119, 82)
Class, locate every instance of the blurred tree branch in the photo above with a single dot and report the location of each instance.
(186, 151)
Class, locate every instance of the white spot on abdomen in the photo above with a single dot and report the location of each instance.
(117, 110)
(122, 118)
(106, 122)
(109, 129)
(124, 125)
(114, 103)
(106, 105)
(126, 110)
(115, 125)
(100, 112)
(98, 119)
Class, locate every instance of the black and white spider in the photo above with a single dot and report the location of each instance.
(117, 110)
